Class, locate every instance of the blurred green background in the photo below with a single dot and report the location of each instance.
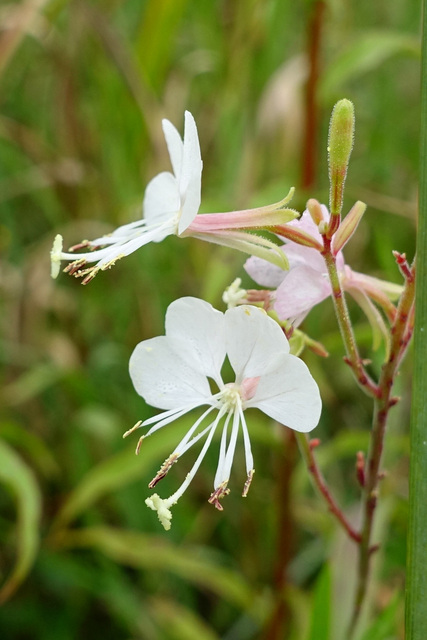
(83, 88)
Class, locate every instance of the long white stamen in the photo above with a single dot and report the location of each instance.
(170, 419)
(231, 447)
(173, 499)
(122, 245)
(169, 412)
(187, 441)
(219, 475)
(247, 442)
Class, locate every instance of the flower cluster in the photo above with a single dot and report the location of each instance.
(172, 373)
(183, 370)
(306, 283)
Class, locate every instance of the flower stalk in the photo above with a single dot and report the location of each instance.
(400, 330)
(307, 452)
(352, 358)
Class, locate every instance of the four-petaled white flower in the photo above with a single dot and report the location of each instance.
(307, 283)
(170, 207)
(172, 372)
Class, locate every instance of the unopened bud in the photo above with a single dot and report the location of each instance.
(340, 145)
(315, 210)
(360, 468)
(348, 226)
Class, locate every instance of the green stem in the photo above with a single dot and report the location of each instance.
(353, 358)
(416, 580)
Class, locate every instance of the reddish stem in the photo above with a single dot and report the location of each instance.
(309, 156)
(307, 450)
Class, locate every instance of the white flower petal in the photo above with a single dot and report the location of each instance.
(196, 332)
(289, 395)
(163, 379)
(301, 289)
(264, 273)
(190, 180)
(304, 256)
(175, 146)
(253, 341)
(161, 198)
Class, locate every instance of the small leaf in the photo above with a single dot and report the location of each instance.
(15, 474)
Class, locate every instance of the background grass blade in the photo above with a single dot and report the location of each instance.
(15, 474)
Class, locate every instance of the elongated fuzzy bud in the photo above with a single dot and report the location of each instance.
(340, 145)
(348, 226)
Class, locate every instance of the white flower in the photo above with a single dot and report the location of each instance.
(170, 207)
(172, 372)
(171, 203)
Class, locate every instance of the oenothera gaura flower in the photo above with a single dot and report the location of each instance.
(175, 373)
(170, 207)
(307, 283)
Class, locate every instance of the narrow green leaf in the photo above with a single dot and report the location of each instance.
(147, 552)
(384, 627)
(180, 622)
(416, 580)
(364, 54)
(15, 474)
(118, 471)
(321, 609)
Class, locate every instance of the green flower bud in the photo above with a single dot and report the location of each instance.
(340, 145)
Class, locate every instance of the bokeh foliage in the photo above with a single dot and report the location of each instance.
(84, 85)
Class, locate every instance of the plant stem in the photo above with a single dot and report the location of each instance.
(319, 481)
(353, 358)
(383, 402)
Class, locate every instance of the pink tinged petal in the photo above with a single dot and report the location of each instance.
(163, 379)
(253, 219)
(253, 341)
(289, 395)
(304, 256)
(161, 198)
(307, 224)
(190, 180)
(175, 146)
(373, 286)
(196, 332)
(300, 291)
(264, 273)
